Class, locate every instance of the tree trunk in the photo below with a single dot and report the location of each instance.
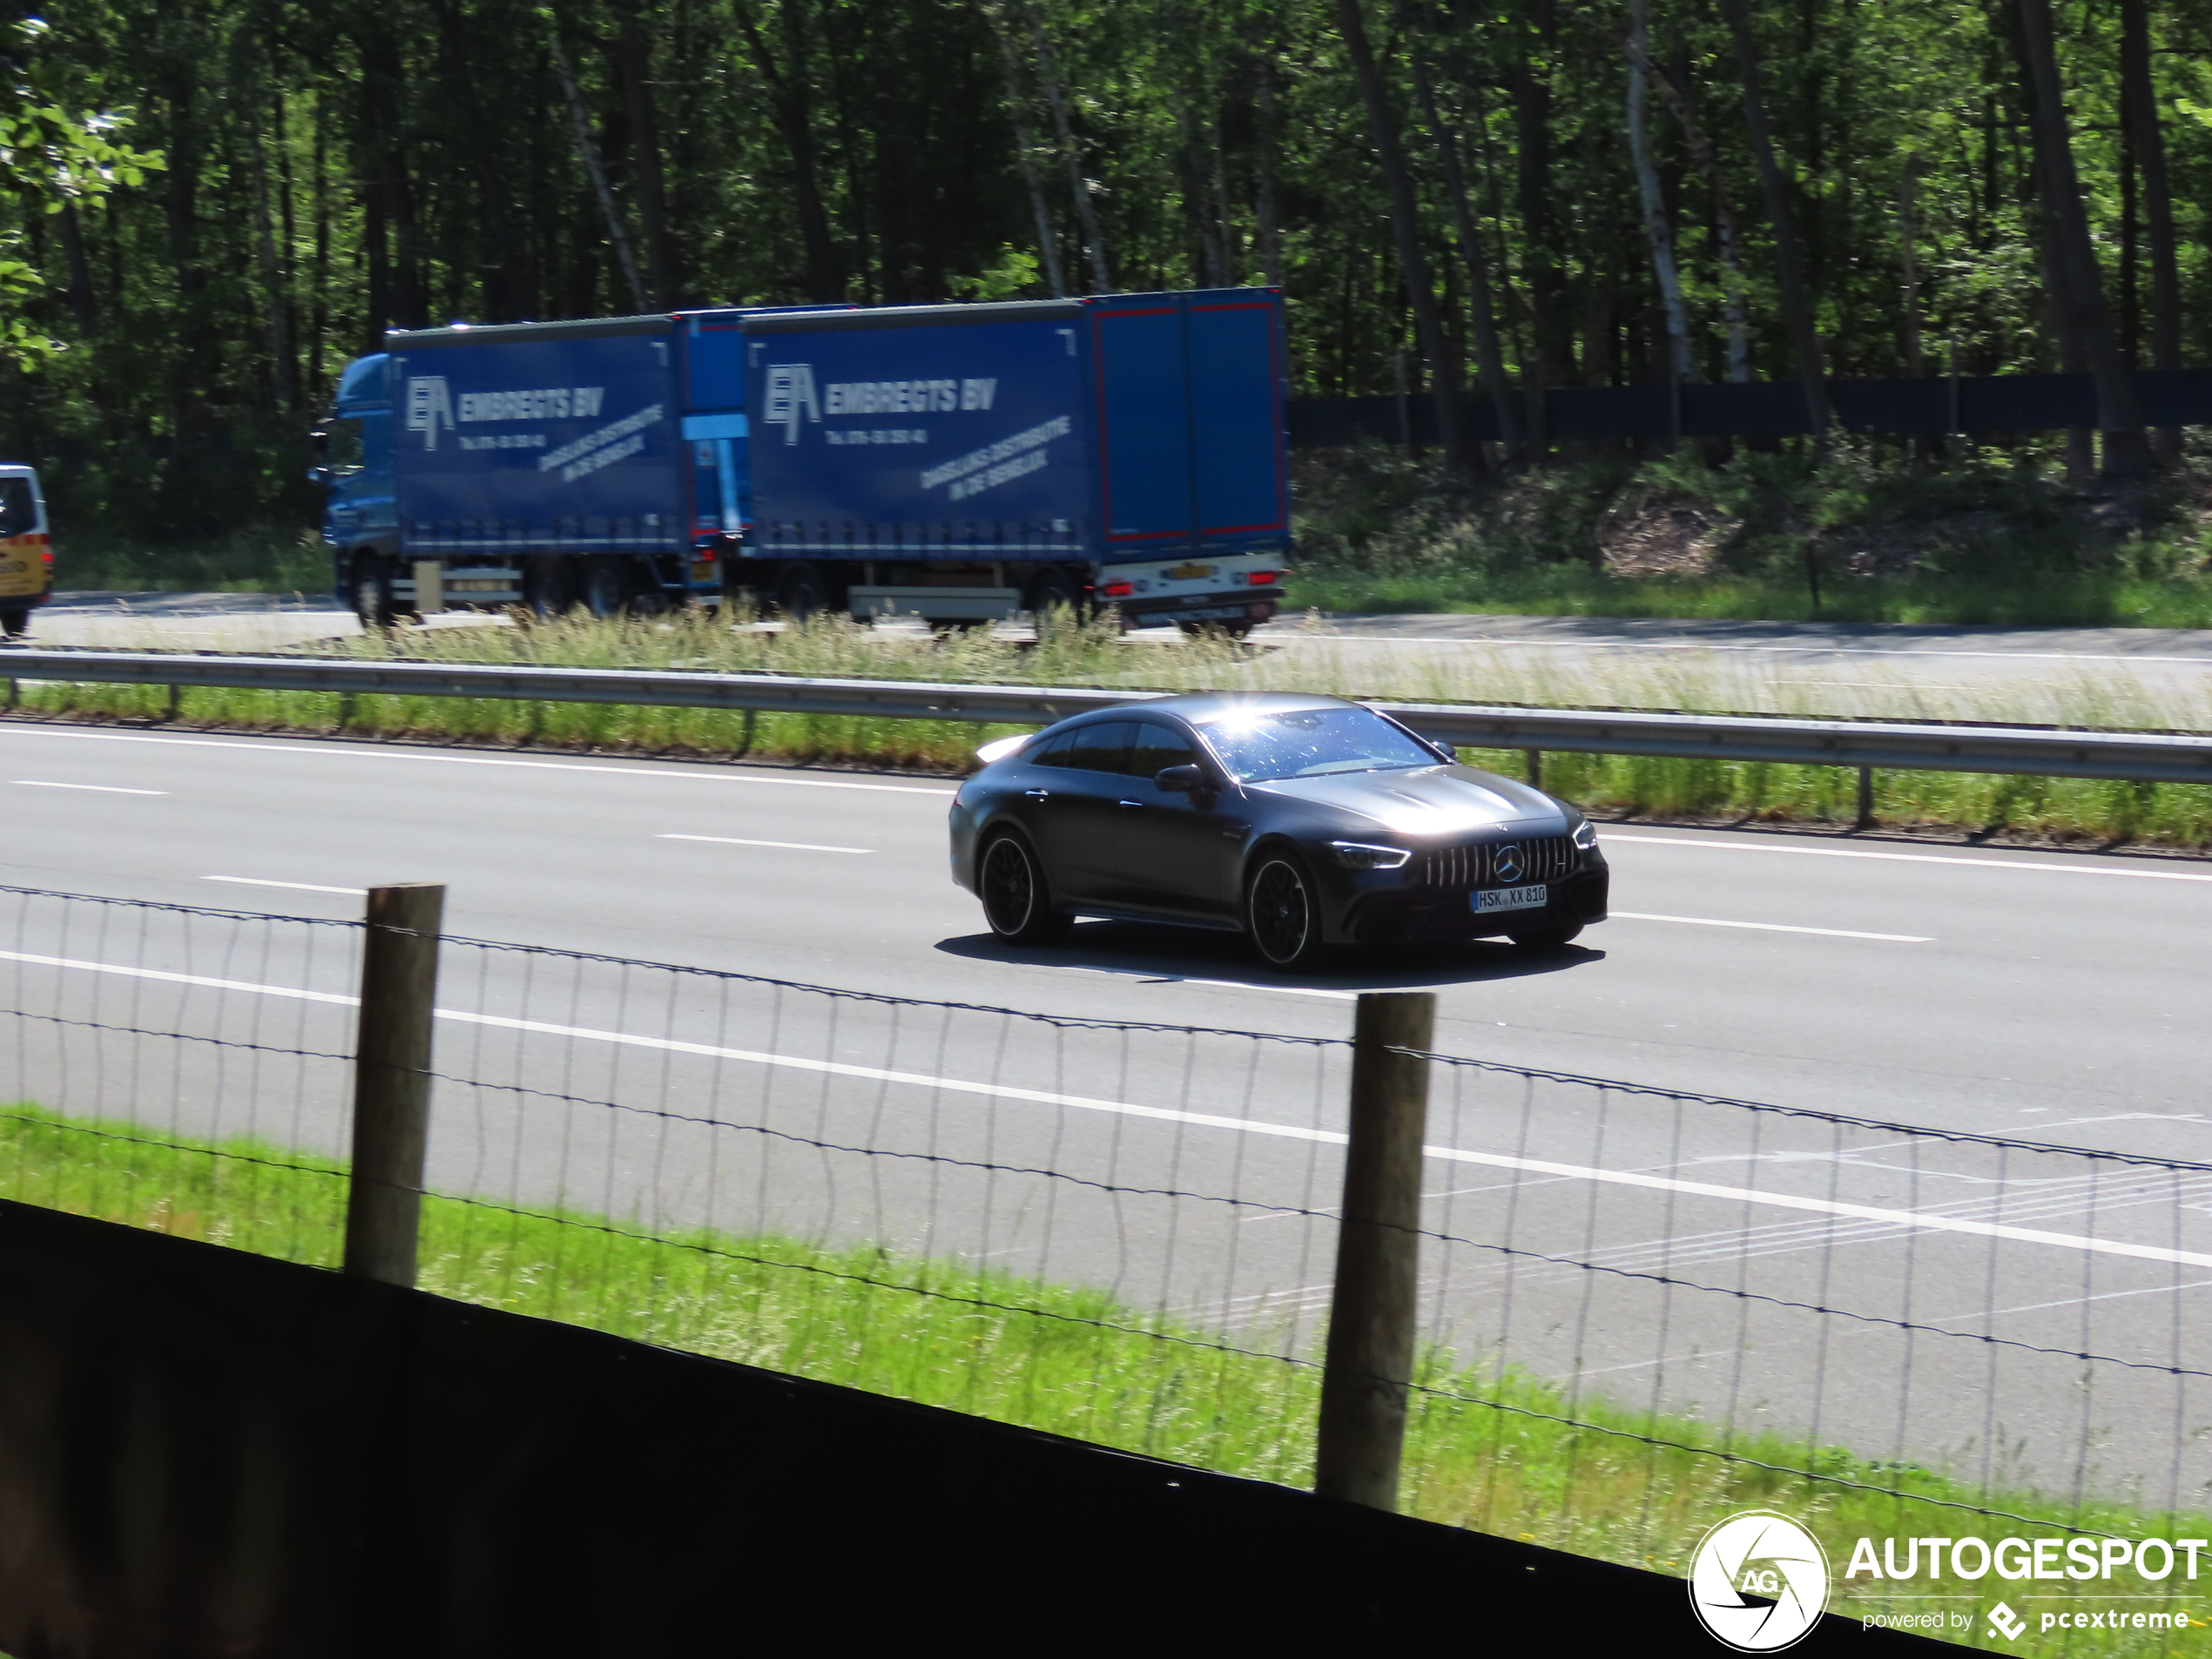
(634, 51)
(597, 168)
(502, 302)
(1405, 219)
(1489, 358)
(2147, 145)
(1086, 210)
(1270, 113)
(1735, 306)
(1551, 357)
(1796, 310)
(84, 304)
(2127, 447)
(1656, 230)
(791, 100)
(1018, 110)
(1908, 239)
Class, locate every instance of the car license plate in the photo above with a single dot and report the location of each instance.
(1531, 898)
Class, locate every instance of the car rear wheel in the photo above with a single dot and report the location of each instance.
(1016, 901)
(1281, 913)
(1550, 937)
(15, 622)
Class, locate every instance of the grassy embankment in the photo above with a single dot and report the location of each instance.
(1065, 1359)
(2178, 815)
(1992, 540)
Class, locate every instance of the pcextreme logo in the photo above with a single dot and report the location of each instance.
(1758, 1582)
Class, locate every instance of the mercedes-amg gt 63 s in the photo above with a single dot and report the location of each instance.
(1304, 822)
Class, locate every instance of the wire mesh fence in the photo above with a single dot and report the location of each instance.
(1636, 1304)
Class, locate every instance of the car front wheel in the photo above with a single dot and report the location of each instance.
(1283, 913)
(1016, 901)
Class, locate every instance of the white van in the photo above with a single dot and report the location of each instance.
(26, 557)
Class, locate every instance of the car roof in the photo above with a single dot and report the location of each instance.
(1200, 706)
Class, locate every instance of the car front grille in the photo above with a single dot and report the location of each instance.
(1543, 857)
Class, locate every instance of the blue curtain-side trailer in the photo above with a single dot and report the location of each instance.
(960, 463)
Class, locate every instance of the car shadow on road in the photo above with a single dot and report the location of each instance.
(1165, 954)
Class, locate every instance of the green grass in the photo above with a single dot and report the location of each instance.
(267, 559)
(1992, 539)
(2104, 813)
(1484, 1450)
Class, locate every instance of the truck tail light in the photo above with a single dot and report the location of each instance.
(1261, 578)
(1118, 590)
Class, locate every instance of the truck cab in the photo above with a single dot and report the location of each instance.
(354, 465)
(26, 551)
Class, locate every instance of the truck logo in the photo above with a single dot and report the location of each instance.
(791, 394)
(428, 404)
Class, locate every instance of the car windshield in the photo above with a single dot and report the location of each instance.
(1307, 743)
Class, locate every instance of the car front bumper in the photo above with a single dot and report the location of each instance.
(1378, 914)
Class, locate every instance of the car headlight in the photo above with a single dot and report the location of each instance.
(1357, 856)
(1586, 835)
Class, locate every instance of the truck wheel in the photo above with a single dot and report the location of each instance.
(802, 593)
(1226, 629)
(606, 588)
(372, 586)
(15, 623)
(549, 588)
(1051, 601)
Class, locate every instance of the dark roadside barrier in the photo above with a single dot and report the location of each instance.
(205, 1451)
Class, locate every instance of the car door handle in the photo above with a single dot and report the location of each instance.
(1038, 794)
(1134, 805)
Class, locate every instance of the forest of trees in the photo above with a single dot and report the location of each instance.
(211, 205)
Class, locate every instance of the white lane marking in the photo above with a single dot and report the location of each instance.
(1906, 858)
(13, 728)
(793, 846)
(297, 886)
(98, 789)
(1775, 928)
(1918, 1220)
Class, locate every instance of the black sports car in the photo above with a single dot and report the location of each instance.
(1301, 821)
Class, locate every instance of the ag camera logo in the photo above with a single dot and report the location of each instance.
(1763, 1556)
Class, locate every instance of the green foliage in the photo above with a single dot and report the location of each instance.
(1489, 1445)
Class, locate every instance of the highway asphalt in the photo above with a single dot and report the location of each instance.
(2054, 997)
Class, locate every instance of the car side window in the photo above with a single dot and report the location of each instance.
(1103, 747)
(1053, 753)
(1158, 747)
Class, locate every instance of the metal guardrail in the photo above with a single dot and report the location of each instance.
(2021, 751)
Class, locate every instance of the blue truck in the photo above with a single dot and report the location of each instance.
(962, 463)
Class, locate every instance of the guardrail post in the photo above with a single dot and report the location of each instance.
(391, 1080)
(1535, 768)
(1369, 1361)
(1867, 798)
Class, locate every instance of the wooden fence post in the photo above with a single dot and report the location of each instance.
(391, 1080)
(1370, 1356)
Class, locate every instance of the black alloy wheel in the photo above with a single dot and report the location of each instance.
(606, 588)
(15, 622)
(1549, 935)
(1016, 901)
(1282, 914)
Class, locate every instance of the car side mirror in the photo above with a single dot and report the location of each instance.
(321, 476)
(1181, 781)
(1444, 752)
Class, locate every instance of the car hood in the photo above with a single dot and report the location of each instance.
(1428, 801)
